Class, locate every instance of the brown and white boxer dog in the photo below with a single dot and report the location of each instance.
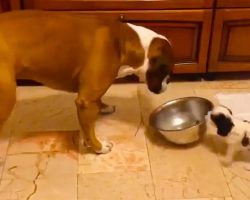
(78, 54)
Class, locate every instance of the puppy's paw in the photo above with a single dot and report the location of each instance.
(106, 147)
(225, 161)
(107, 109)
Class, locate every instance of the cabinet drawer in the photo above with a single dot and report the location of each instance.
(232, 3)
(188, 31)
(116, 5)
(230, 42)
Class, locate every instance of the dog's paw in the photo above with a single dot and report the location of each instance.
(225, 161)
(106, 147)
(107, 109)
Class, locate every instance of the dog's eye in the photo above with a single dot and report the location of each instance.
(153, 61)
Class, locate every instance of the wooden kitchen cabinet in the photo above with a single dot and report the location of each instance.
(186, 23)
(230, 43)
(188, 28)
(207, 35)
(117, 4)
(188, 31)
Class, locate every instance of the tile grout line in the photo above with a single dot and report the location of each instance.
(195, 91)
(152, 178)
(6, 154)
(77, 183)
(221, 167)
(143, 125)
(140, 111)
(80, 138)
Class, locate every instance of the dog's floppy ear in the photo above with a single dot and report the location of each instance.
(162, 50)
(223, 123)
(132, 51)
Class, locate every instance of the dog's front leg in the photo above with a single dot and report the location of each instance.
(228, 158)
(87, 114)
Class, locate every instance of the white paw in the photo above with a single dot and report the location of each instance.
(107, 110)
(225, 161)
(106, 147)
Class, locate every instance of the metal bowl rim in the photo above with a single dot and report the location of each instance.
(172, 101)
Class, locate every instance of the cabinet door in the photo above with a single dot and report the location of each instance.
(230, 44)
(188, 31)
(4, 5)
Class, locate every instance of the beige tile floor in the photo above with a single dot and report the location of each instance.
(40, 159)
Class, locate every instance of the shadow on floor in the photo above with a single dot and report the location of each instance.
(53, 116)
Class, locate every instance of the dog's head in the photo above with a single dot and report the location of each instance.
(221, 117)
(158, 63)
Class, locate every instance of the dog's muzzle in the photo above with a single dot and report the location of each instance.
(160, 87)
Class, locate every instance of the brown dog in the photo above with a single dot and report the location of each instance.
(77, 54)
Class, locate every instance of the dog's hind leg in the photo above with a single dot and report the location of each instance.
(7, 91)
(106, 109)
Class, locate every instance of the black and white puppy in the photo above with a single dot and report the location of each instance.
(235, 132)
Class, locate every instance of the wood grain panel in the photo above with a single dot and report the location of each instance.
(188, 31)
(15, 4)
(230, 42)
(4, 5)
(235, 43)
(232, 3)
(116, 4)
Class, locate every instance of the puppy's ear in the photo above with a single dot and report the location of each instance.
(223, 123)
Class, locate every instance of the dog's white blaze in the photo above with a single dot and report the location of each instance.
(146, 36)
(164, 84)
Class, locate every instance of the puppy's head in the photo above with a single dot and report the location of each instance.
(158, 61)
(221, 117)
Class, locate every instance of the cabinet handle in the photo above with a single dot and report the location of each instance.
(122, 18)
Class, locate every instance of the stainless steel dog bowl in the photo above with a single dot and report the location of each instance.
(181, 121)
